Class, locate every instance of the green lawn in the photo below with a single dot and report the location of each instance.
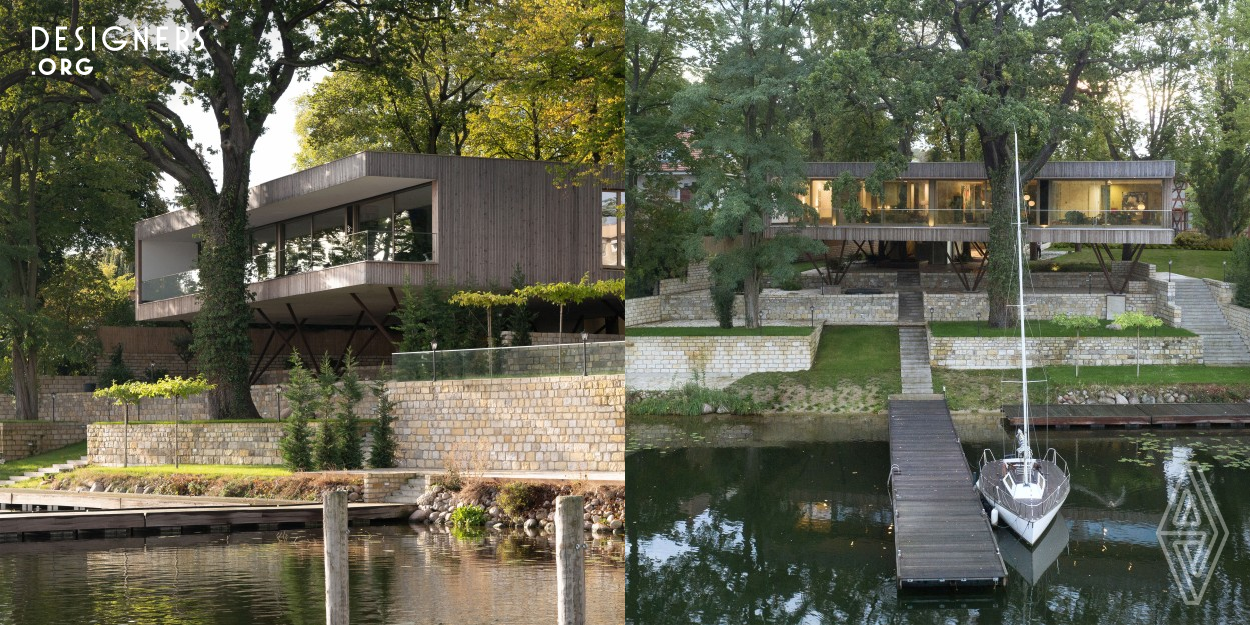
(986, 390)
(854, 354)
(717, 331)
(56, 456)
(1042, 328)
(1194, 263)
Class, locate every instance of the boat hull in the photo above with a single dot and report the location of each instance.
(1028, 518)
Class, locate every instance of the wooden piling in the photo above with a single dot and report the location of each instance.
(570, 561)
(334, 522)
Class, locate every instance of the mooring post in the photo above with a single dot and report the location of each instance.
(334, 523)
(570, 561)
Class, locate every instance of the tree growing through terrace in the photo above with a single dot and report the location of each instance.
(252, 52)
(750, 168)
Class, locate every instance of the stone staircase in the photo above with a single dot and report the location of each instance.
(1200, 314)
(409, 492)
(913, 344)
(52, 470)
(910, 297)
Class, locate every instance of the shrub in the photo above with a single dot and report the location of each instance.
(1075, 218)
(1191, 240)
(793, 283)
(1239, 272)
(382, 453)
(450, 480)
(723, 301)
(116, 372)
(468, 516)
(515, 498)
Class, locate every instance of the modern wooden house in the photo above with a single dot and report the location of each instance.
(333, 245)
(938, 212)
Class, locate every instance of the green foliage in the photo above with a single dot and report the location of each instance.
(349, 391)
(517, 318)
(723, 296)
(515, 498)
(1076, 323)
(846, 196)
(116, 371)
(1191, 240)
(488, 301)
(690, 400)
(382, 451)
(1137, 320)
(81, 295)
(468, 516)
(304, 396)
(426, 316)
(1239, 272)
(327, 445)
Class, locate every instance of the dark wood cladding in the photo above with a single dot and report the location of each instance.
(1101, 234)
(1054, 170)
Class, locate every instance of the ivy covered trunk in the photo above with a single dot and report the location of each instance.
(222, 344)
(1001, 270)
(752, 280)
(25, 379)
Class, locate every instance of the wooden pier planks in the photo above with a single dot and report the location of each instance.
(1133, 415)
(156, 519)
(941, 534)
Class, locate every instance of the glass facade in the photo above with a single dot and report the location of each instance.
(612, 237)
(394, 227)
(954, 202)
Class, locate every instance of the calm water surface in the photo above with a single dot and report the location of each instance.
(398, 575)
(725, 528)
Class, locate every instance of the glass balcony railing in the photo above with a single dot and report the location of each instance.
(980, 217)
(512, 362)
(166, 287)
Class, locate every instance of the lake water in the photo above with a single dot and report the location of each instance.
(788, 521)
(399, 574)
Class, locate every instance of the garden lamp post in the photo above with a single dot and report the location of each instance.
(585, 336)
(278, 392)
(54, 406)
(1169, 270)
(812, 309)
(1089, 285)
(978, 324)
(433, 361)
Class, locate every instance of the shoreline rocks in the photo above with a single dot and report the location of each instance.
(604, 508)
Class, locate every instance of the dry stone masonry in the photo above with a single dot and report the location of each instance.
(665, 362)
(1004, 352)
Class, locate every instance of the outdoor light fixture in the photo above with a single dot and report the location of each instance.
(279, 390)
(1226, 271)
(1089, 285)
(433, 361)
(1169, 270)
(812, 309)
(585, 368)
(978, 324)
(54, 406)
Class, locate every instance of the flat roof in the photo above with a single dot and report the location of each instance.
(1054, 170)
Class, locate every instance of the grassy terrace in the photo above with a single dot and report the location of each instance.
(856, 368)
(1042, 329)
(56, 456)
(716, 331)
(1194, 263)
(971, 390)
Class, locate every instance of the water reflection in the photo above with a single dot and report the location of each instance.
(398, 575)
(799, 532)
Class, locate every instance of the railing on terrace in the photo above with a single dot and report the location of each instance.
(175, 285)
(980, 217)
(580, 358)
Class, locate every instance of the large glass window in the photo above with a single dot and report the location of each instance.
(264, 254)
(297, 246)
(961, 202)
(414, 225)
(1106, 202)
(372, 237)
(612, 235)
(329, 239)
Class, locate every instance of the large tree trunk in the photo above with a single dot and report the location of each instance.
(23, 289)
(25, 380)
(753, 281)
(223, 346)
(1000, 268)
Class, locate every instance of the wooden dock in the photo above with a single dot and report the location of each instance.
(61, 525)
(942, 535)
(1064, 416)
(54, 499)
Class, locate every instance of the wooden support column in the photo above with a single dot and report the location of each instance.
(335, 524)
(570, 561)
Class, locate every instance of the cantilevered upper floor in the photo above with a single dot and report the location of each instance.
(1079, 202)
(368, 223)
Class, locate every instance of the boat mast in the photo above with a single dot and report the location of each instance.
(1024, 354)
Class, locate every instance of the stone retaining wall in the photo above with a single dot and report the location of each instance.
(22, 439)
(665, 362)
(644, 310)
(1238, 317)
(698, 278)
(791, 306)
(966, 306)
(569, 423)
(1004, 352)
(85, 408)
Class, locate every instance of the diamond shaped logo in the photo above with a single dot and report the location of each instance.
(1192, 534)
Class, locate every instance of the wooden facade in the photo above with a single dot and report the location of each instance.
(490, 215)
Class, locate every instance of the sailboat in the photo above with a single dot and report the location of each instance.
(1023, 491)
